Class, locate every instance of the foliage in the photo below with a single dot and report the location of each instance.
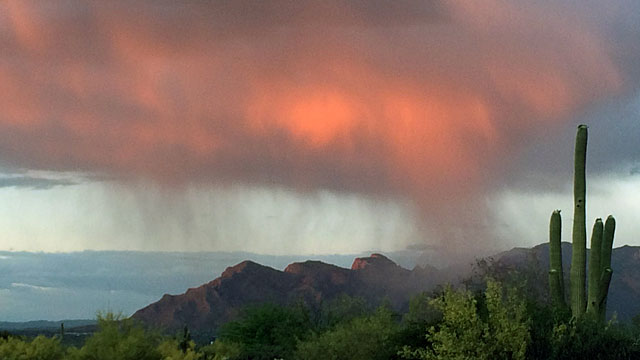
(268, 331)
(221, 350)
(119, 338)
(417, 321)
(529, 273)
(421, 310)
(464, 334)
(588, 338)
(40, 348)
(170, 349)
(368, 337)
(542, 319)
(342, 309)
(635, 322)
(497, 322)
(508, 322)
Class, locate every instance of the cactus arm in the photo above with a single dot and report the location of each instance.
(556, 278)
(578, 258)
(605, 262)
(607, 242)
(605, 281)
(595, 271)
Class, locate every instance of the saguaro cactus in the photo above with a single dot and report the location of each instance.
(556, 277)
(579, 247)
(601, 244)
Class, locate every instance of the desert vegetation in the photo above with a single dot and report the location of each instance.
(490, 320)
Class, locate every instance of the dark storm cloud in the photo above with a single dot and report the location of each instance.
(423, 100)
(614, 132)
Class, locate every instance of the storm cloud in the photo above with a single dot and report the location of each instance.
(423, 100)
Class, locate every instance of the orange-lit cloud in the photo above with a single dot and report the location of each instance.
(423, 100)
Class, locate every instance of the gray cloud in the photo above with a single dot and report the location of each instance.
(33, 182)
(614, 132)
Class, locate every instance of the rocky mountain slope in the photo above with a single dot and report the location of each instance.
(374, 278)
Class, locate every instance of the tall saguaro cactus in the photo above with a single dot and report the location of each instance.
(599, 276)
(579, 247)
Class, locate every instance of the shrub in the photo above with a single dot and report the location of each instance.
(119, 338)
(503, 333)
(268, 331)
(588, 338)
(365, 338)
(40, 348)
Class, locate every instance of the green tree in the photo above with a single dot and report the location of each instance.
(119, 338)
(588, 338)
(464, 333)
(635, 322)
(172, 349)
(268, 331)
(369, 337)
(508, 324)
(341, 309)
(222, 350)
(40, 348)
(418, 320)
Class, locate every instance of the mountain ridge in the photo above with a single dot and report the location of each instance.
(374, 278)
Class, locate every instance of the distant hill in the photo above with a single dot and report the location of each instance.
(624, 292)
(45, 325)
(76, 285)
(374, 278)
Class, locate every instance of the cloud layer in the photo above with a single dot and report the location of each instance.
(421, 100)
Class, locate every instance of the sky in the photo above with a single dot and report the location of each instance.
(313, 127)
(77, 285)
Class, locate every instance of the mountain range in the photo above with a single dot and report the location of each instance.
(375, 279)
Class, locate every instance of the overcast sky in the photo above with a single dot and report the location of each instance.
(297, 127)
